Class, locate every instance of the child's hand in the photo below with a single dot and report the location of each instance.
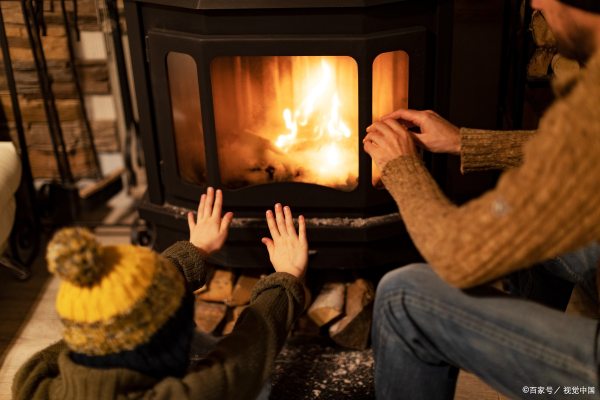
(288, 252)
(209, 231)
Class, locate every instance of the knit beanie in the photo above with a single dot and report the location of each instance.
(587, 5)
(121, 306)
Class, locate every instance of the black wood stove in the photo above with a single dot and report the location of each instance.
(269, 100)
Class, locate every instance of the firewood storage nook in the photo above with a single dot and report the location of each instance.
(270, 99)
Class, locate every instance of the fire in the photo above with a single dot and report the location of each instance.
(317, 134)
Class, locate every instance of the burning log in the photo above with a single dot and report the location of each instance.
(328, 305)
(219, 288)
(353, 330)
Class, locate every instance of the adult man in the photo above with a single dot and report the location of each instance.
(545, 205)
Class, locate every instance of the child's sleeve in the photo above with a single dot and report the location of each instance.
(242, 361)
(190, 261)
(41, 366)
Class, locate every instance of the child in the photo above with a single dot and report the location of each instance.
(128, 316)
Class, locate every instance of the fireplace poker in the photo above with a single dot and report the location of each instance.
(31, 15)
(130, 123)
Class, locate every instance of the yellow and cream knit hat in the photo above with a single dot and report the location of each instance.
(112, 298)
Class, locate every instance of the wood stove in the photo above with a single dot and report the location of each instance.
(269, 100)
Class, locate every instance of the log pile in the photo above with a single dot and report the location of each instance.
(545, 62)
(94, 77)
(343, 311)
(221, 301)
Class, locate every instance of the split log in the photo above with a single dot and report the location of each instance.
(354, 329)
(540, 62)
(328, 305)
(208, 316)
(220, 287)
(104, 132)
(563, 66)
(55, 48)
(33, 110)
(235, 314)
(542, 35)
(43, 163)
(242, 290)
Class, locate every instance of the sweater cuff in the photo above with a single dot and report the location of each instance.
(190, 261)
(484, 150)
(406, 178)
(284, 280)
(400, 169)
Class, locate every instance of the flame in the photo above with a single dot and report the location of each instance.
(317, 133)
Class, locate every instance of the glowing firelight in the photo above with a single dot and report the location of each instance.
(317, 132)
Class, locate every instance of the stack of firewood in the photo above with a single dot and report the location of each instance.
(220, 302)
(342, 311)
(545, 60)
(95, 82)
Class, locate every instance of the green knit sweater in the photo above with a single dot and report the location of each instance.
(548, 203)
(236, 369)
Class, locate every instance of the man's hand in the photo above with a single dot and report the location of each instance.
(288, 252)
(209, 231)
(387, 140)
(437, 135)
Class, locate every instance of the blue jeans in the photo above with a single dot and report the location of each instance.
(424, 330)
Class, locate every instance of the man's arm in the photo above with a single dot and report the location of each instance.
(547, 206)
(483, 149)
(479, 149)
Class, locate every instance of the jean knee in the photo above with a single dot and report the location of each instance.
(399, 283)
(398, 319)
(414, 276)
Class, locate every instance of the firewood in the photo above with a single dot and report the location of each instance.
(353, 330)
(220, 287)
(539, 63)
(306, 326)
(242, 290)
(43, 163)
(201, 289)
(563, 66)
(33, 110)
(208, 316)
(235, 314)
(328, 305)
(542, 35)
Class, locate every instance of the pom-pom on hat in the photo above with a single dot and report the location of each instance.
(112, 298)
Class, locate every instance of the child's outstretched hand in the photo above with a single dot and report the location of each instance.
(209, 231)
(288, 252)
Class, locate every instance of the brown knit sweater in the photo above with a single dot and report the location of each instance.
(546, 205)
(237, 368)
